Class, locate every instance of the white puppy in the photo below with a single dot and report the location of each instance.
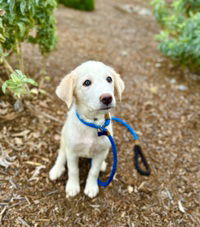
(90, 90)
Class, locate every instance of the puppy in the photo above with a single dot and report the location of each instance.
(90, 90)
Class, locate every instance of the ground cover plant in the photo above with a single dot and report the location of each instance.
(179, 38)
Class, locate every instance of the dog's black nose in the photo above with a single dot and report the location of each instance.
(106, 99)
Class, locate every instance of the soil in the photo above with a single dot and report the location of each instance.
(165, 115)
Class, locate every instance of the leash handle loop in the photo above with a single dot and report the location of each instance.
(139, 154)
(137, 149)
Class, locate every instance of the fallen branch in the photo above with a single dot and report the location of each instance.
(7, 65)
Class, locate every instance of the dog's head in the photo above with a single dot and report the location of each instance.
(92, 86)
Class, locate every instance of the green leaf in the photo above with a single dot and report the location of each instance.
(17, 75)
(19, 72)
(22, 28)
(13, 85)
(11, 6)
(31, 81)
(1, 23)
(4, 87)
(23, 7)
(2, 38)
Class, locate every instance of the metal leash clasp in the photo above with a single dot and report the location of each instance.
(103, 132)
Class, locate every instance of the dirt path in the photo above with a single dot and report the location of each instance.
(166, 118)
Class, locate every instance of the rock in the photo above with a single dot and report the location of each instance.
(144, 12)
(158, 65)
(130, 189)
(124, 53)
(18, 106)
(173, 81)
(182, 87)
(128, 8)
(195, 77)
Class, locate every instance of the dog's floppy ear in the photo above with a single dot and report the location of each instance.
(119, 84)
(65, 89)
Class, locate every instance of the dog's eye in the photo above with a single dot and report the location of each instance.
(109, 79)
(87, 83)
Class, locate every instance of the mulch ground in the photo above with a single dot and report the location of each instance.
(161, 101)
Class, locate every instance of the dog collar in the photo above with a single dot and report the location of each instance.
(93, 125)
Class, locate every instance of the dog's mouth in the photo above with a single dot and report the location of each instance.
(102, 108)
(106, 108)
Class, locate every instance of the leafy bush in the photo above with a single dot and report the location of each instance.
(21, 17)
(87, 5)
(31, 21)
(180, 35)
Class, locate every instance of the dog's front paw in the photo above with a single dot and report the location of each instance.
(91, 190)
(72, 188)
(56, 172)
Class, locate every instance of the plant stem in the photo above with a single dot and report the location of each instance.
(8, 66)
(20, 57)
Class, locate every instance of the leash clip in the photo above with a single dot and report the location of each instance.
(103, 132)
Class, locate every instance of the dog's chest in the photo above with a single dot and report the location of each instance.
(83, 140)
(88, 143)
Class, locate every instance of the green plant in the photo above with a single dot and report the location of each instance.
(179, 38)
(18, 84)
(25, 21)
(87, 5)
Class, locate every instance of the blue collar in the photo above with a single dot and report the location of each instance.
(93, 125)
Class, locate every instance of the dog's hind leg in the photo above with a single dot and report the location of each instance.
(59, 166)
(103, 166)
(104, 163)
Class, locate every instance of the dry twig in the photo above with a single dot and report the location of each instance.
(23, 222)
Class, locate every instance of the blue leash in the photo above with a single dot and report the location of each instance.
(102, 131)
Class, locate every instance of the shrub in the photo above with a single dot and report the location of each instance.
(21, 20)
(87, 5)
(180, 35)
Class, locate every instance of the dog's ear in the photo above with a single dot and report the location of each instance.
(119, 84)
(65, 89)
